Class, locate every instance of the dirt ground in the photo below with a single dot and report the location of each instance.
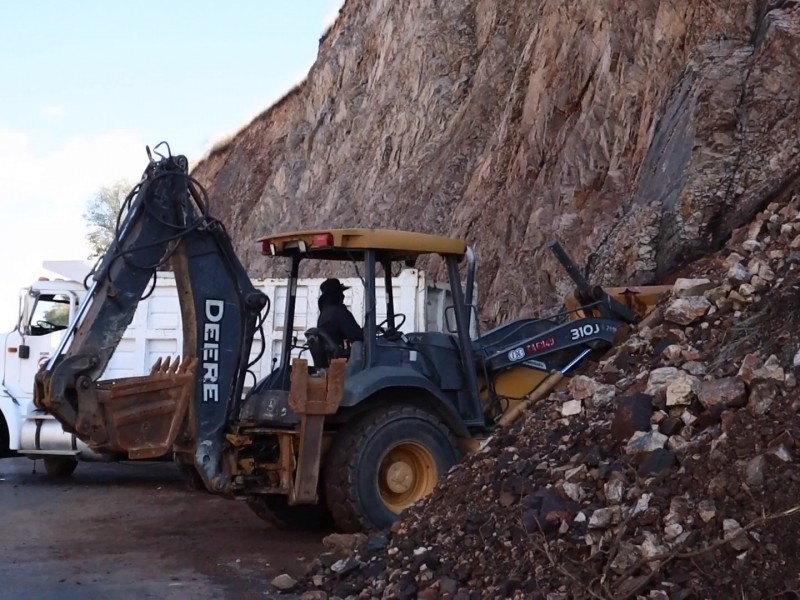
(132, 530)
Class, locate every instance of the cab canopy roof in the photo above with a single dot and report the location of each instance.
(347, 244)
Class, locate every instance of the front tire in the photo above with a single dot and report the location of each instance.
(60, 466)
(189, 475)
(386, 461)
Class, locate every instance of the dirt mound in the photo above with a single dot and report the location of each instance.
(668, 472)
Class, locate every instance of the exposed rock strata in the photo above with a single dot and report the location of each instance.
(639, 134)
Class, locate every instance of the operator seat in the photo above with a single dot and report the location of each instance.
(323, 347)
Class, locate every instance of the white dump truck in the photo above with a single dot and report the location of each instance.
(47, 307)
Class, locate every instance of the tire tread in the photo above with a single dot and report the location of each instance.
(341, 466)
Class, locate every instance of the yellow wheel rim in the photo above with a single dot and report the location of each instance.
(406, 474)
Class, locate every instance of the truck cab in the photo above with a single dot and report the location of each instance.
(46, 309)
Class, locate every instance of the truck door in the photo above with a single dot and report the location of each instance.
(45, 316)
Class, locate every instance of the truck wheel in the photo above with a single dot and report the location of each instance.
(189, 475)
(5, 445)
(383, 463)
(275, 510)
(60, 466)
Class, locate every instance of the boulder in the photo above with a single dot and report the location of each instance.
(645, 441)
(685, 311)
(586, 388)
(657, 461)
(754, 472)
(763, 393)
(691, 287)
(694, 367)
(601, 518)
(571, 408)
(283, 582)
(659, 379)
(751, 364)
(718, 295)
(738, 273)
(343, 543)
(728, 391)
(682, 390)
(773, 368)
(706, 510)
(735, 535)
(633, 414)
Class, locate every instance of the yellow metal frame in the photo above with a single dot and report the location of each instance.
(399, 244)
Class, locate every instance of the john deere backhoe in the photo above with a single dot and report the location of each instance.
(355, 437)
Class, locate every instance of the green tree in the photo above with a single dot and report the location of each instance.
(101, 216)
(58, 315)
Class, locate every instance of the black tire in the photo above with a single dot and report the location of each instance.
(275, 510)
(60, 466)
(356, 474)
(189, 475)
(5, 441)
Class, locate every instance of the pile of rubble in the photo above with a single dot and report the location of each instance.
(667, 472)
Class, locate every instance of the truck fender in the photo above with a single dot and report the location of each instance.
(10, 420)
(381, 381)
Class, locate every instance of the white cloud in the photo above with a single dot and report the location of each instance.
(43, 196)
(52, 112)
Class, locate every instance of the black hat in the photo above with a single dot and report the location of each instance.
(332, 285)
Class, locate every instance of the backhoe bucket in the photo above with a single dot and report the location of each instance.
(141, 416)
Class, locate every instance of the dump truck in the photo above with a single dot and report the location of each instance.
(354, 438)
(47, 307)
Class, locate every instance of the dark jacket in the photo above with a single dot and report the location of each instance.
(339, 323)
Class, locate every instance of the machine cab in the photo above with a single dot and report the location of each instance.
(391, 353)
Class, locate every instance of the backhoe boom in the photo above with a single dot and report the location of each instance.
(182, 404)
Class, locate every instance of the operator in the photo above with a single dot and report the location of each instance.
(334, 318)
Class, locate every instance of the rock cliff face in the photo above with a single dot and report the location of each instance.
(639, 134)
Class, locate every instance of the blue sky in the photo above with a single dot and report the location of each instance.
(85, 85)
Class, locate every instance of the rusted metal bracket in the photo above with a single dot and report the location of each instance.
(312, 397)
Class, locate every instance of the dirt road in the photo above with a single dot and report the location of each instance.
(132, 530)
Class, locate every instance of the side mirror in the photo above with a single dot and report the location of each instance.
(452, 325)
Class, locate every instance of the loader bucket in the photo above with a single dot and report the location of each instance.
(143, 415)
(642, 300)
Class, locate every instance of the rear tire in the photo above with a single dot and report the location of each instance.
(60, 466)
(189, 475)
(383, 463)
(275, 510)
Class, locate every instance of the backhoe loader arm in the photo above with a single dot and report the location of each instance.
(607, 306)
(184, 404)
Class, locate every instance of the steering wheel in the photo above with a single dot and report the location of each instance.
(390, 330)
(296, 346)
(46, 325)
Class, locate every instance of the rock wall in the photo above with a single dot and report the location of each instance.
(638, 134)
